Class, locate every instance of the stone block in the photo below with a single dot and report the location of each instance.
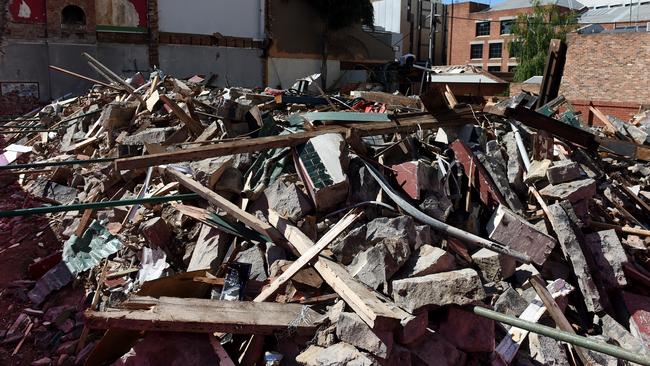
(338, 354)
(351, 329)
(427, 260)
(537, 171)
(609, 257)
(572, 191)
(494, 267)
(512, 230)
(563, 171)
(459, 287)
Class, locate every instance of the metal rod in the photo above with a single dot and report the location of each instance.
(85, 78)
(96, 205)
(520, 145)
(441, 226)
(563, 336)
(18, 132)
(56, 163)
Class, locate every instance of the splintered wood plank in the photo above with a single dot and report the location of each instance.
(308, 255)
(173, 314)
(364, 301)
(404, 124)
(195, 126)
(222, 203)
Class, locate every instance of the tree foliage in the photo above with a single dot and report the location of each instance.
(532, 36)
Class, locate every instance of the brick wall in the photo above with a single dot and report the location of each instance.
(54, 28)
(624, 111)
(610, 69)
(462, 32)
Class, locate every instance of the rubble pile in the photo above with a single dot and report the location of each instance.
(198, 225)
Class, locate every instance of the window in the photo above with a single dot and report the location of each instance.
(73, 15)
(506, 26)
(495, 50)
(482, 29)
(476, 51)
(494, 69)
(512, 68)
(514, 49)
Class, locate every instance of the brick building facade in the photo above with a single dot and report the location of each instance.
(616, 84)
(479, 34)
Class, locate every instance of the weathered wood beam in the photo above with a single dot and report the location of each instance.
(364, 301)
(407, 124)
(173, 314)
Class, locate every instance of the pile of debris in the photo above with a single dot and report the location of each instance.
(200, 225)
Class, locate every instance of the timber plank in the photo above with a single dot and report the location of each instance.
(205, 316)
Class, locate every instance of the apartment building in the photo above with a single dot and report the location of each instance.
(478, 34)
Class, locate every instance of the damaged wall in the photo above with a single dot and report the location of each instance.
(121, 13)
(233, 66)
(618, 78)
(349, 44)
(242, 18)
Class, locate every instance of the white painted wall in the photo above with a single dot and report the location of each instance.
(388, 14)
(234, 18)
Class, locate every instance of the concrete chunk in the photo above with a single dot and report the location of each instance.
(625, 339)
(537, 171)
(351, 329)
(459, 287)
(566, 233)
(378, 264)
(427, 260)
(512, 230)
(563, 171)
(609, 258)
(338, 354)
(255, 257)
(494, 267)
(287, 199)
(571, 191)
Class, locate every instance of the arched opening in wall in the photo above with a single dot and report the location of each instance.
(73, 16)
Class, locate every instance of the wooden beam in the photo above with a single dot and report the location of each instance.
(558, 315)
(95, 81)
(364, 301)
(309, 254)
(173, 314)
(196, 128)
(231, 209)
(388, 99)
(406, 124)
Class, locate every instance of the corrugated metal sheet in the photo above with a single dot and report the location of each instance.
(617, 14)
(516, 4)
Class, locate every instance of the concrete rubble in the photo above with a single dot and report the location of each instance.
(264, 226)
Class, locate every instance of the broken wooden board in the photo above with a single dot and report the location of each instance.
(195, 126)
(509, 346)
(172, 314)
(404, 124)
(310, 254)
(388, 99)
(365, 302)
(222, 203)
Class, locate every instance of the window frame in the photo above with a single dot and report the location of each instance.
(479, 23)
(511, 21)
(500, 50)
(471, 49)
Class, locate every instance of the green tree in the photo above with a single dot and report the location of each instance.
(338, 14)
(532, 36)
